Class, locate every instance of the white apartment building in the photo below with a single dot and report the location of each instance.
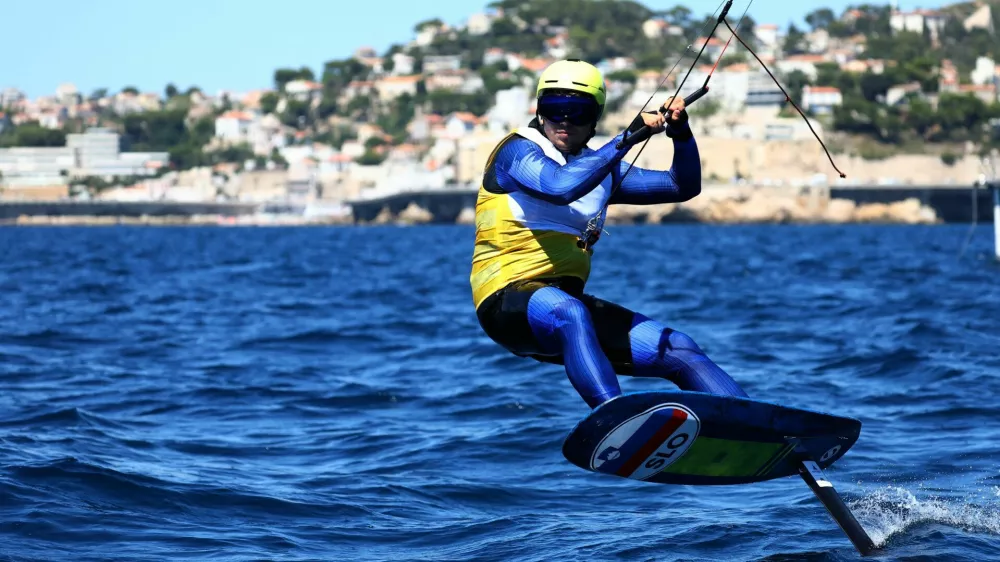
(821, 99)
(918, 20)
(93, 153)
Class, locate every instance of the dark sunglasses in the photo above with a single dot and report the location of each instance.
(574, 110)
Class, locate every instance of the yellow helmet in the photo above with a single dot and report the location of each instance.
(574, 75)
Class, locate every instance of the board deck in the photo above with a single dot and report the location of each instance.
(705, 439)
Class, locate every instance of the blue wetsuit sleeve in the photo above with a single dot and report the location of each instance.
(649, 187)
(521, 165)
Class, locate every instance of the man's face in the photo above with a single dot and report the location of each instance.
(565, 136)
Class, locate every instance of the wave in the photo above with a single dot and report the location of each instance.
(891, 511)
(61, 417)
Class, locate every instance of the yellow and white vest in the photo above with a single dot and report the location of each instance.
(522, 237)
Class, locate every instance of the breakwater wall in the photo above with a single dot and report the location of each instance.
(12, 210)
(950, 204)
(444, 206)
(947, 204)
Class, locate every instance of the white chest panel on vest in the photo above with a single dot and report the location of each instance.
(537, 214)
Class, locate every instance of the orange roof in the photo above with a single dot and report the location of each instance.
(806, 58)
(920, 12)
(534, 65)
(401, 79)
(235, 114)
(822, 90)
(711, 41)
(465, 116)
(977, 88)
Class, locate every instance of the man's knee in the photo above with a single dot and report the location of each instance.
(572, 312)
(681, 342)
(551, 312)
(668, 339)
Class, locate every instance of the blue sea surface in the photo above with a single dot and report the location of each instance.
(328, 394)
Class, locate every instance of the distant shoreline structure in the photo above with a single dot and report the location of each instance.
(716, 205)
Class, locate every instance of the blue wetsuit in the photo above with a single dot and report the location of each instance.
(547, 315)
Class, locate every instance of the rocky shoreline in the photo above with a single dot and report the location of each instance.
(734, 206)
(749, 205)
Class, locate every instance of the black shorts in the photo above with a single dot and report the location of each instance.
(504, 318)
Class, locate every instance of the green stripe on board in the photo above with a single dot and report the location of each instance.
(709, 456)
(778, 457)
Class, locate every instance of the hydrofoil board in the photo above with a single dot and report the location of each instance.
(697, 438)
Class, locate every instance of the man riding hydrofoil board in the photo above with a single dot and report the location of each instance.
(542, 203)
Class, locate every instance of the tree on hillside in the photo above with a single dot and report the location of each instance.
(795, 41)
(337, 74)
(444, 102)
(678, 15)
(920, 117)
(627, 76)
(152, 131)
(505, 34)
(167, 130)
(830, 74)
(820, 19)
(283, 76)
(597, 29)
(963, 112)
(874, 86)
(747, 31)
(399, 114)
(492, 81)
(874, 20)
(296, 114)
(699, 27)
(327, 107)
(963, 46)
(170, 91)
(269, 102)
(32, 134)
(794, 82)
(435, 22)
(901, 46)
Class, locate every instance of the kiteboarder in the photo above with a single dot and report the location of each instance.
(541, 208)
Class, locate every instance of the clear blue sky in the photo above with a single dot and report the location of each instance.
(236, 45)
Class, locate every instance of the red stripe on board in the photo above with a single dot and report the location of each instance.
(675, 421)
